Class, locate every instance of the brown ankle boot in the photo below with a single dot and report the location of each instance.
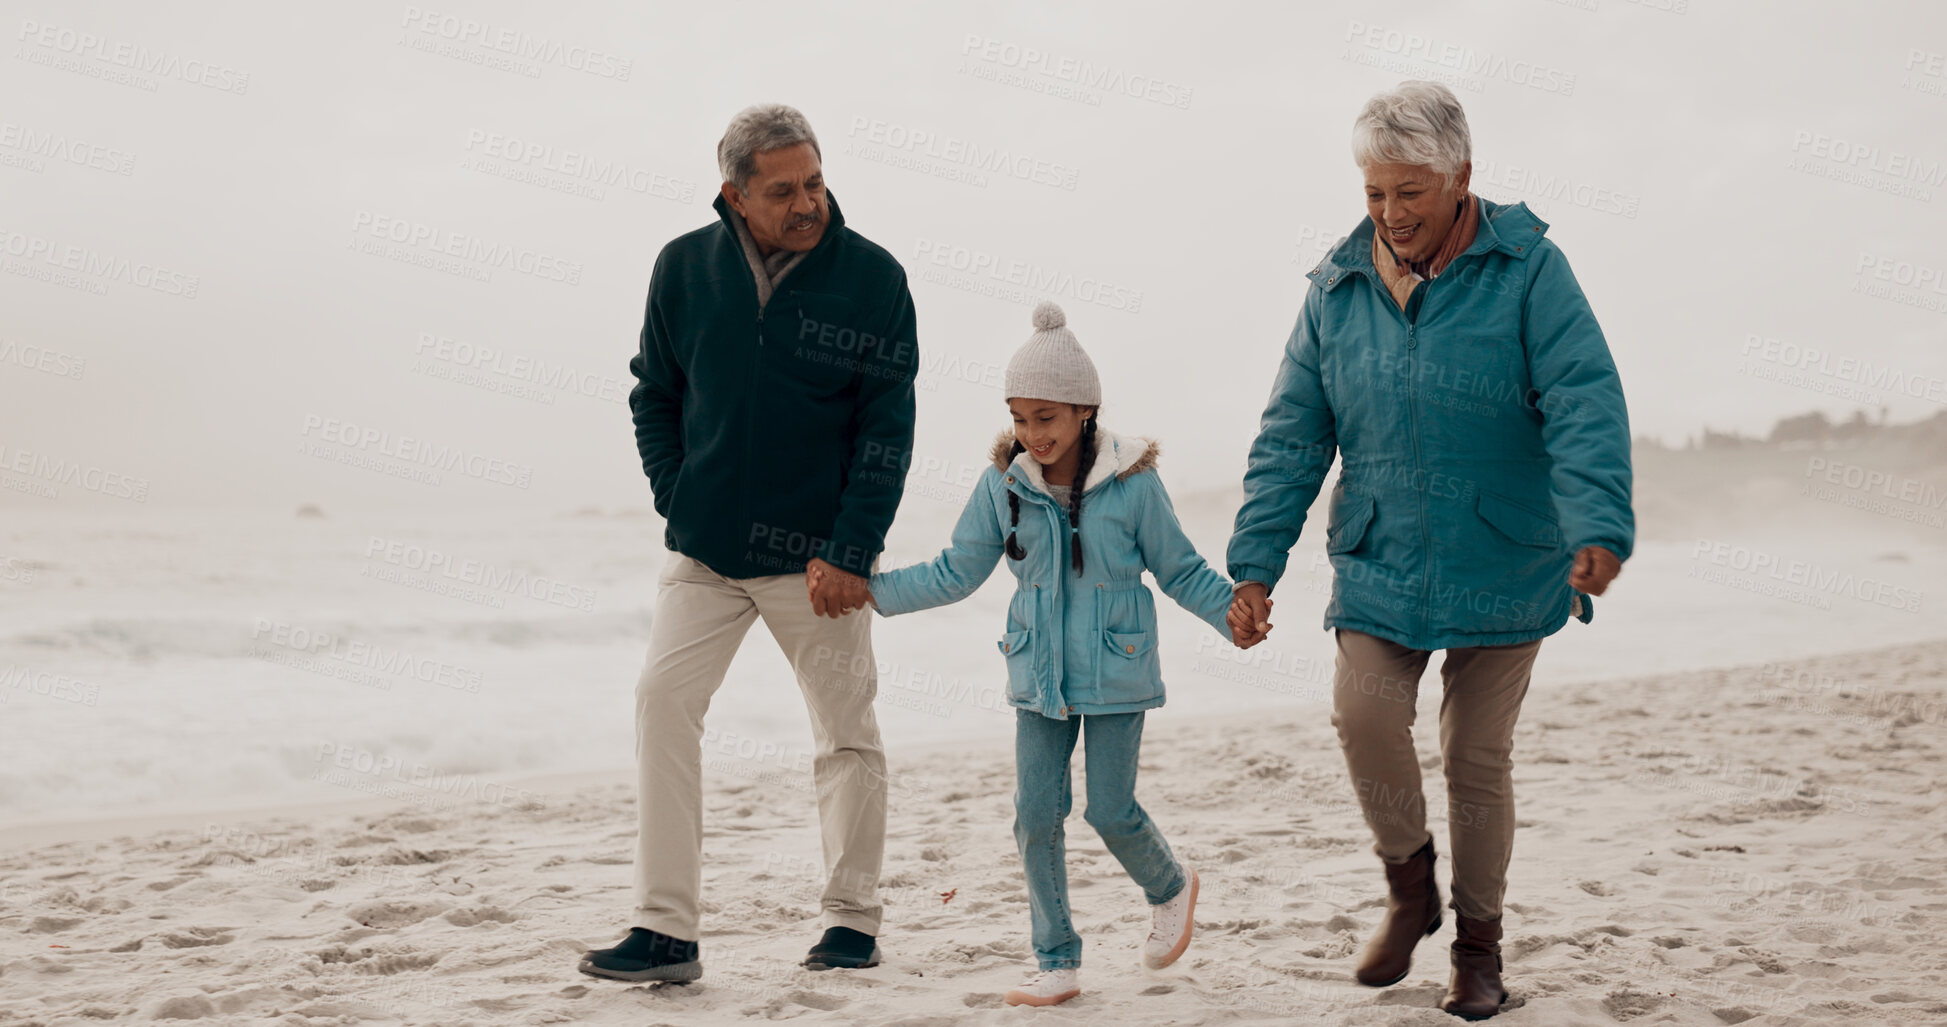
(1412, 913)
(1475, 992)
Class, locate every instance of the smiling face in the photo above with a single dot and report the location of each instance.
(1412, 206)
(784, 206)
(1050, 430)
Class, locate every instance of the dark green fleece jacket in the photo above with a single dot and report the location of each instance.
(777, 435)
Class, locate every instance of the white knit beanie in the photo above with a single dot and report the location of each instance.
(1051, 365)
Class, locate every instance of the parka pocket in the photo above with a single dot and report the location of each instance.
(1018, 647)
(1520, 524)
(1351, 516)
(1127, 644)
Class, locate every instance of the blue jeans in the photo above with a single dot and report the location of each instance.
(1042, 799)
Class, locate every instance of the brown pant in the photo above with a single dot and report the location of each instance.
(1375, 686)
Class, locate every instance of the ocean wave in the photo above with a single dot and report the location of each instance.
(155, 638)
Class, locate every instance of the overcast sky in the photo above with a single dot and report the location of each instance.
(195, 203)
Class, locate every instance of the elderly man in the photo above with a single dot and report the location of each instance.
(774, 417)
(1447, 353)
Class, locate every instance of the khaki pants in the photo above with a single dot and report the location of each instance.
(1375, 685)
(701, 618)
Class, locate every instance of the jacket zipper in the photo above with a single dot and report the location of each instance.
(1414, 302)
(1057, 614)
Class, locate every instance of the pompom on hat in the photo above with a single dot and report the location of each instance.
(1052, 365)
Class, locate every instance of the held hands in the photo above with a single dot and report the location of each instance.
(1595, 567)
(834, 592)
(1250, 615)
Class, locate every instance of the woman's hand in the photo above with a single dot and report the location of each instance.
(1595, 567)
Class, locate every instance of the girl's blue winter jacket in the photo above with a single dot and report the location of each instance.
(1075, 644)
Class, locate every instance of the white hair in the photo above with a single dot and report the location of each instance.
(755, 130)
(1418, 123)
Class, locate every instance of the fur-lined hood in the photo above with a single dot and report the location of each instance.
(1123, 456)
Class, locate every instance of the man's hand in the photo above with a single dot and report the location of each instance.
(1250, 615)
(1595, 567)
(834, 592)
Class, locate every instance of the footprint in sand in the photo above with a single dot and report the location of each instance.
(186, 1007)
(480, 915)
(387, 914)
(375, 961)
(197, 937)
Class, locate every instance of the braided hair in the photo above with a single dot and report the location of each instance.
(1087, 444)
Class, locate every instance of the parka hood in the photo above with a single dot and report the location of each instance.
(1121, 456)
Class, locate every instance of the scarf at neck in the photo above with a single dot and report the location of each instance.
(768, 271)
(1401, 276)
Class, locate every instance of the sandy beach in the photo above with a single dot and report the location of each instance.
(1756, 845)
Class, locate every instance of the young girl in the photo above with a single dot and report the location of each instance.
(1080, 513)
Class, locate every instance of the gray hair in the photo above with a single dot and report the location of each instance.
(1418, 123)
(755, 130)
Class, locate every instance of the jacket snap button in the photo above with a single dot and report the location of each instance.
(1517, 249)
(1004, 647)
(1010, 479)
(1536, 228)
(1128, 648)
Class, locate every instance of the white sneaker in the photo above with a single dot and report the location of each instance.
(1047, 988)
(1174, 920)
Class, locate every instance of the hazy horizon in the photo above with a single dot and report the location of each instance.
(1750, 204)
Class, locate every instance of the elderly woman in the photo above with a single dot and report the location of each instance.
(1447, 352)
